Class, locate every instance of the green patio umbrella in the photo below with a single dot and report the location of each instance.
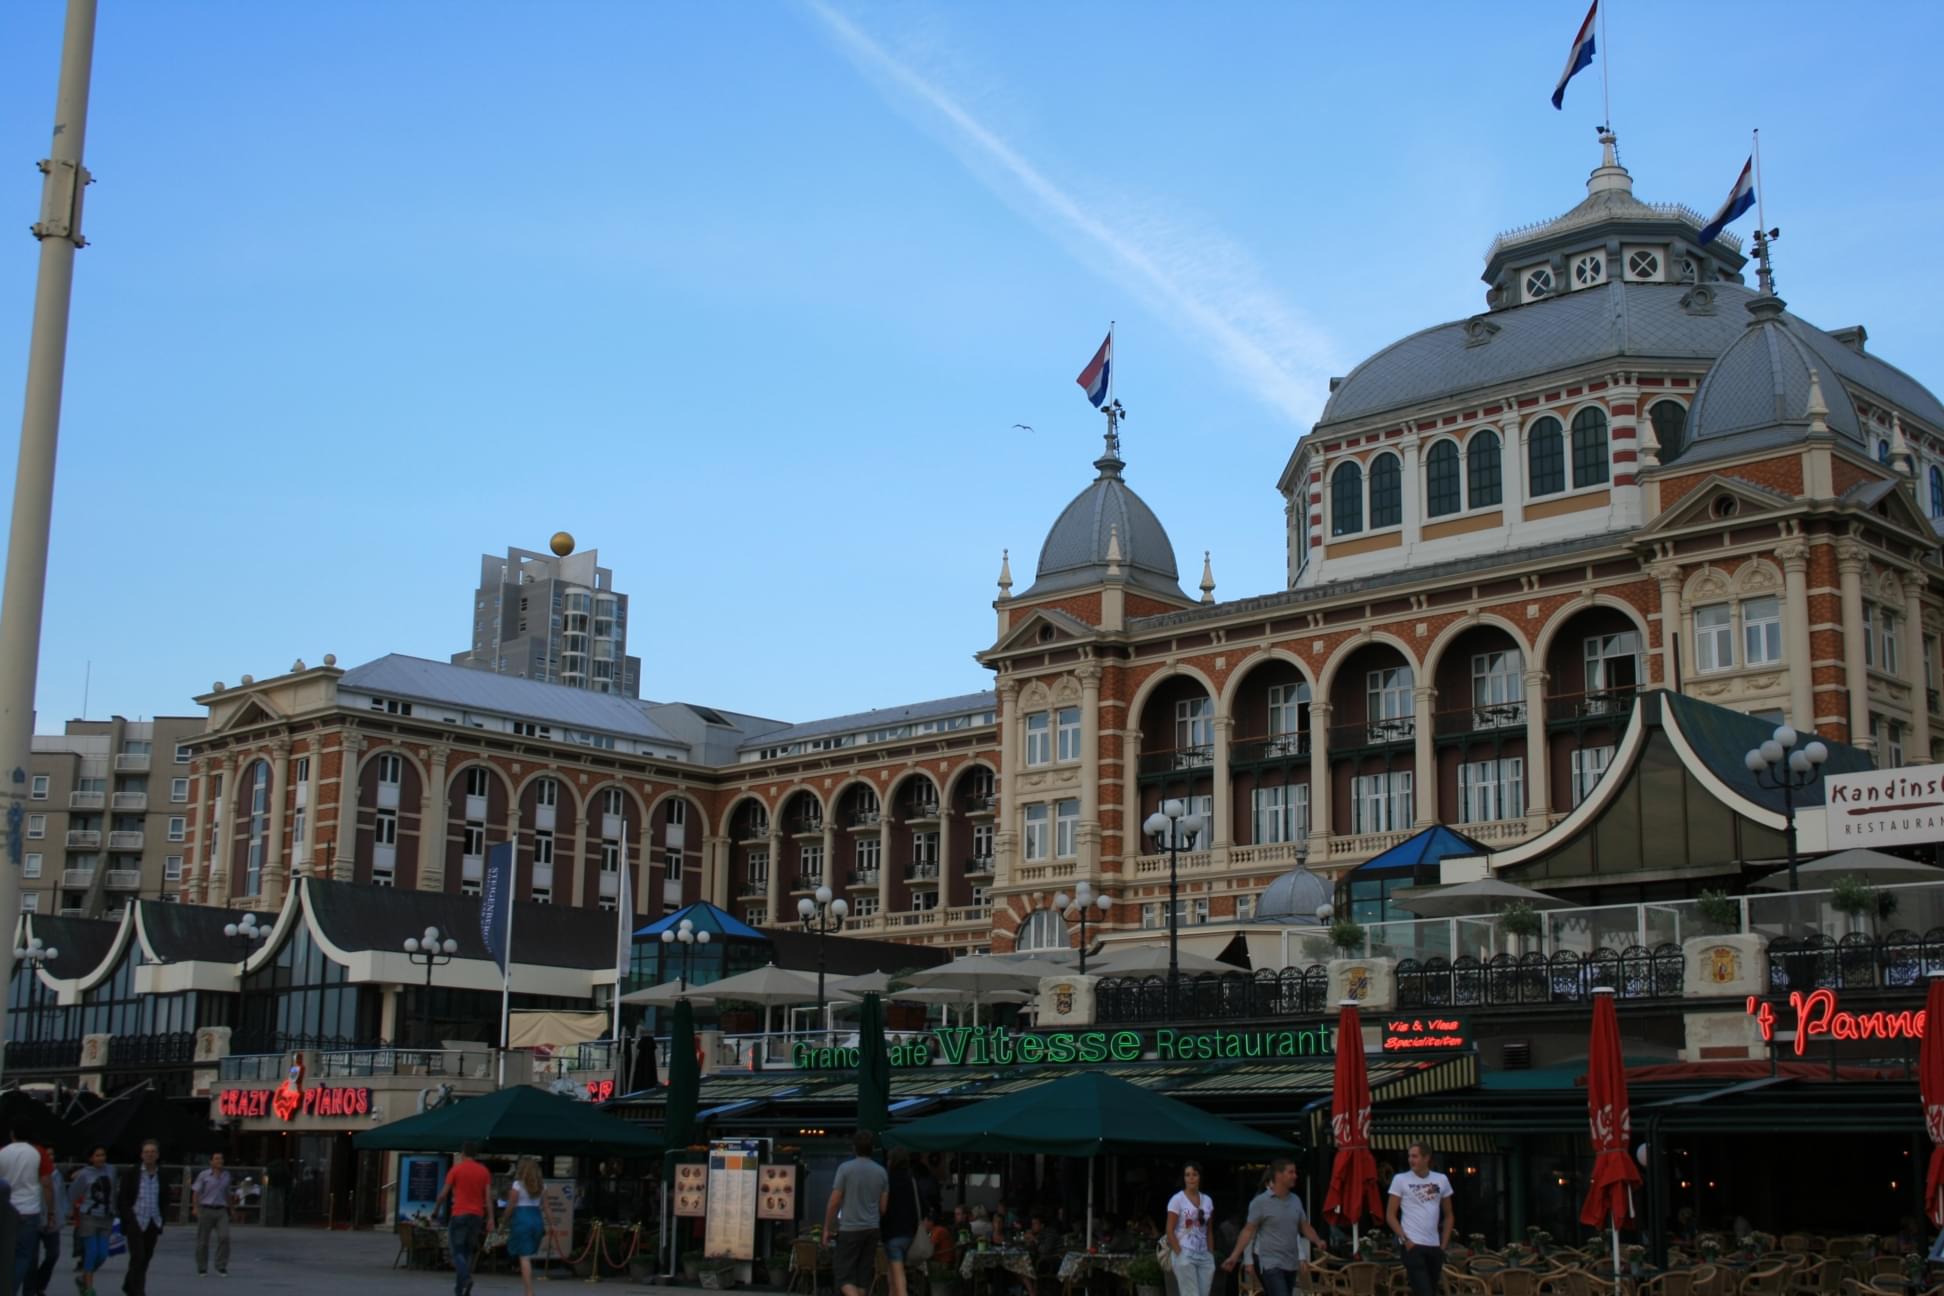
(684, 1080)
(873, 1068)
(519, 1119)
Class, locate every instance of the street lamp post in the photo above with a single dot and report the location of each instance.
(429, 951)
(688, 938)
(244, 937)
(1172, 826)
(1780, 767)
(822, 916)
(1079, 909)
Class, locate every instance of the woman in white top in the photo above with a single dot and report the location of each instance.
(1190, 1212)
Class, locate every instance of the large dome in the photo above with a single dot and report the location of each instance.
(1075, 552)
(1761, 382)
(1294, 897)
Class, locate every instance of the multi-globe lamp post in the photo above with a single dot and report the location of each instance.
(688, 938)
(429, 950)
(822, 916)
(1173, 827)
(1080, 908)
(1780, 766)
(244, 936)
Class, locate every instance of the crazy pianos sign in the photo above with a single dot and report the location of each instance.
(1816, 1015)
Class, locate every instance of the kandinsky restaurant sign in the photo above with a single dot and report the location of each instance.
(1900, 807)
(992, 1046)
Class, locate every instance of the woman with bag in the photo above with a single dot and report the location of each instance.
(902, 1241)
(1190, 1212)
(528, 1223)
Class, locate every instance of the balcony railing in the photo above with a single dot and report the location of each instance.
(1858, 961)
(1290, 992)
(968, 914)
(1595, 707)
(863, 877)
(807, 827)
(1156, 866)
(83, 837)
(1180, 760)
(132, 763)
(124, 879)
(1563, 977)
(130, 801)
(979, 866)
(922, 810)
(809, 881)
(756, 831)
(41, 1055)
(1495, 718)
(1275, 747)
(866, 819)
(922, 871)
(122, 840)
(77, 879)
(755, 886)
(1383, 731)
(87, 800)
(982, 803)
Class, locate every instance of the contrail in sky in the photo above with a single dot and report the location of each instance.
(1192, 276)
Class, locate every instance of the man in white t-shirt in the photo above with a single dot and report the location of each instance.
(32, 1195)
(1420, 1215)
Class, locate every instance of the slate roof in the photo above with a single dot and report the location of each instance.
(1075, 552)
(1762, 379)
(356, 918)
(461, 686)
(186, 933)
(883, 717)
(80, 943)
(712, 735)
(1722, 739)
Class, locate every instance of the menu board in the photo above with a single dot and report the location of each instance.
(731, 1230)
(691, 1191)
(776, 1193)
(557, 1209)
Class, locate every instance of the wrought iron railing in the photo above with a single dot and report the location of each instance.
(1291, 992)
(36, 1055)
(177, 1048)
(1635, 972)
(1858, 961)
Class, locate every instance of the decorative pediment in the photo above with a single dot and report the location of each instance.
(1718, 500)
(244, 713)
(1043, 626)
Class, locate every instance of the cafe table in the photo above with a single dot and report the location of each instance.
(1077, 1266)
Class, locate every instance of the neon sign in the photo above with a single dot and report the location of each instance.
(1428, 1034)
(1816, 1014)
(991, 1046)
(289, 1104)
(600, 1090)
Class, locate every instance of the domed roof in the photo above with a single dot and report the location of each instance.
(1107, 514)
(1294, 897)
(1761, 381)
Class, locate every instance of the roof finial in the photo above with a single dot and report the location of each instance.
(1005, 573)
(1901, 459)
(1818, 408)
(1208, 579)
(1609, 176)
(1110, 462)
(1113, 550)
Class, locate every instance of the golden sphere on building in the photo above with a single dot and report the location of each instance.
(562, 544)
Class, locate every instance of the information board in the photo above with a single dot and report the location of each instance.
(776, 1193)
(691, 1191)
(557, 1209)
(419, 1181)
(731, 1230)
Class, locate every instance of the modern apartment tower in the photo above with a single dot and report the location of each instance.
(553, 617)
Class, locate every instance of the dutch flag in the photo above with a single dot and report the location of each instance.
(1581, 56)
(1740, 199)
(1094, 378)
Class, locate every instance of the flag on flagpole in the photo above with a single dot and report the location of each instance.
(496, 904)
(1740, 199)
(1580, 57)
(1094, 378)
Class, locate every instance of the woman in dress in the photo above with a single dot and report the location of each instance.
(1189, 1214)
(528, 1227)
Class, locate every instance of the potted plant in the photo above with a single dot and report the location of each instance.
(717, 1275)
(1636, 1259)
(1719, 911)
(1144, 1271)
(1520, 921)
(777, 1270)
(691, 1264)
(1709, 1245)
(1346, 936)
(944, 1280)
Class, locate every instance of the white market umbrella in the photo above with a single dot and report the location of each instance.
(665, 995)
(768, 986)
(1152, 960)
(984, 975)
(877, 983)
(1463, 899)
(1873, 867)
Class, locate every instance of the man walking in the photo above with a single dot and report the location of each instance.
(469, 1185)
(860, 1195)
(31, 1192)
(213, 1195)
(138, 1204)
(1420, 1215)
(1277, 1225)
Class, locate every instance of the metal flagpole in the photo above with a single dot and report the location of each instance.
(1606, 62)
(506, 964)
(623, 917)
(59, 232)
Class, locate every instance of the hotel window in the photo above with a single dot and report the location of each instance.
(1670, 425)
(1066, 828)
(300, 770)
(1546, 457)
(1930, 663)
(1041, 930)
(546, 792)
(1380, 802)
(1888, 653)
(259, 828)
(172, 868)
(1612, 663)
(30, 864)
(1483, 471)
(612, 802)
(755, 916)
(1491, 789)
(1893, 741)
(31, 904)
(1245, 908)
(1286, 703)
(297, 836)
(1589, 765)
(389, 766)
(1869, 635)
(1386, 491)
(179, 790)
(40, 788)
(1498, 688)
(672, 865)
(178, 828)
(757, 868)
(982, 897)
(1279, 814)
(1589, 447)
(810, 861)
(36, 827)
(1066, 723)
(865, 905)
(543, 848)
(610, 857)
(1039, 738)
(1442, 491)
(1388, 696)
(982, 842)
(677, 814)
(1036, 822)
(1936, 491)
(868, 855)
(924, 901)
(1346, 499)
(1714, 637)
(384, 828)
(476, 780)
(1761, 631)
(606, 904)
(182, 753)
(1195, 726)
(472, 839)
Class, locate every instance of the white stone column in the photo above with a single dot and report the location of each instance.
(1917, 751)
(432, 824)
(1425, 792)
(1511, 465)
(1224, 826)
(773, 894)
(195, 887)
(885, 862)
(222, 845)
(305, 851)
(1133, 844)
(1005, 838)
(344, 853)
(1089, 673)
(1320, 799)
(1538, 770)
(1795, 634)
(1412, 482)
(275, 860)
(1671, 621)
(1856, 677)
(715, 871)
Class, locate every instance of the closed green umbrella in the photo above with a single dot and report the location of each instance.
(873, 1068)
(684, 1080)
(520, 1119)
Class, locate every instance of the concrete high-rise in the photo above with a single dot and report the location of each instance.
(553, 617)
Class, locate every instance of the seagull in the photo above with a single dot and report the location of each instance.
(1025, 426)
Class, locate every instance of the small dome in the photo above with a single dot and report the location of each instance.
(1107, 512)
(1294, 897)
(1761, 382)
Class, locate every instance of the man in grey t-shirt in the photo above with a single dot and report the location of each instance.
(1277, 1225)
(859, 1193)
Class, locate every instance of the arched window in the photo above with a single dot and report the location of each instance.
(1441, 493)
(1482, 485)
(1589, 447)
(1546, 457)
(1386, 491)
(1937, 491)
(1041, 931)
(1883, 452)
(1346, 500)
(1670, 425)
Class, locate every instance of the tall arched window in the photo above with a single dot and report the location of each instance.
(1482, 486)
(1546, 457)
(1670, 426)
(1041, 931)
(259, 827)
(1386, 491)
(1346, 500)
(1937, 491)
(1589, 447)
(1441, 490)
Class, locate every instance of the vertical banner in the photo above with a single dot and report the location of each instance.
(496, 903)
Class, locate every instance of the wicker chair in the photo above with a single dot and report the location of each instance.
(1361, 1278)
(1769, 1280)
(1516, 1282)
(808, 1262)
(1464, 1284)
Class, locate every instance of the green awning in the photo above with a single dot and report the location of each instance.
(514, 1120)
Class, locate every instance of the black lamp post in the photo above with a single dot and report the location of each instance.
(244, 936)
(822, 916)
(688, 938)
(429, 951)
(1173, 827)
(1080, 908)
(1779, 767)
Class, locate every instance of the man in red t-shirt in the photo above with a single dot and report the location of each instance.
(470, 1186)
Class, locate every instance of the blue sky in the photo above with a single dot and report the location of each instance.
(750, 296)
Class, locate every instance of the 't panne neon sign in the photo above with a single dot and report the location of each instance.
(1816, 1015)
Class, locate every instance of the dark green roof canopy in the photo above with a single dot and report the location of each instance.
(514, 1120)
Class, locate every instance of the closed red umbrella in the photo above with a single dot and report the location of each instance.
(1353, 1177)
(1930, 1083)
(1615, 1175)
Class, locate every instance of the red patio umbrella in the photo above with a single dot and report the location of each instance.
(1615, 1175)
(1930, 1083)
(1353, 1176)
